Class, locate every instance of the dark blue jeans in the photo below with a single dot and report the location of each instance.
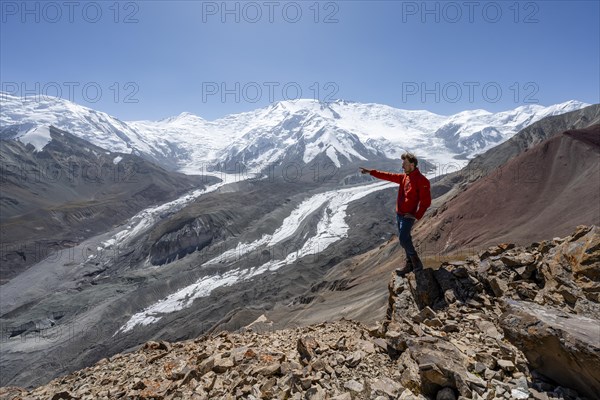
(404, 227)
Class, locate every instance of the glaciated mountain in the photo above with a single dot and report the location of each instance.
(302, 130)
(299, 131)
(193, 142)
(22, 115)
(473, 132)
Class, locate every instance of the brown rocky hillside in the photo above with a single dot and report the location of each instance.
(509, 323)
(546, 190)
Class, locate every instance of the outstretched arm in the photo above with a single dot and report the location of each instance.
(387, 176)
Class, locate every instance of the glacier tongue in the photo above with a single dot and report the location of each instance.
(331, 228)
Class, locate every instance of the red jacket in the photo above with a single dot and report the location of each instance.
(414, 196)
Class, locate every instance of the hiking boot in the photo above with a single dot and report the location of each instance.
(416, 261)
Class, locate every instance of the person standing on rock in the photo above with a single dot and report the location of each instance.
(414, 197)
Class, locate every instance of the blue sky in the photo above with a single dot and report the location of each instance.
(154, 59)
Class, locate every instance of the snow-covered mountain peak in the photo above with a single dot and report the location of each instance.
(183, 118)
(293, 105)
(464, 115)
(568, 106)
(21, 115)
(304, 128)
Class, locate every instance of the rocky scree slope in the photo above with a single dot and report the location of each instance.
(508, 323)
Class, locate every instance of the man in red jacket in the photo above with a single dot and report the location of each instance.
(414, 197)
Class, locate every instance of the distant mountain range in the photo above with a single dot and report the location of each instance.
(297, 131)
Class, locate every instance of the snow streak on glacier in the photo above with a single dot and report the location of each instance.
(331, 228)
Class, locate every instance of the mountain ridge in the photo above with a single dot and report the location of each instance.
(189, 143)
(72, 190)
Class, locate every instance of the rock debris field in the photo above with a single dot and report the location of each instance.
(509, 323)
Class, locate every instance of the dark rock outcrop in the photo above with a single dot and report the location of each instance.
(193, 235)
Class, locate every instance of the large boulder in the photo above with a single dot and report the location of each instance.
(440, 365)
(564, 347)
